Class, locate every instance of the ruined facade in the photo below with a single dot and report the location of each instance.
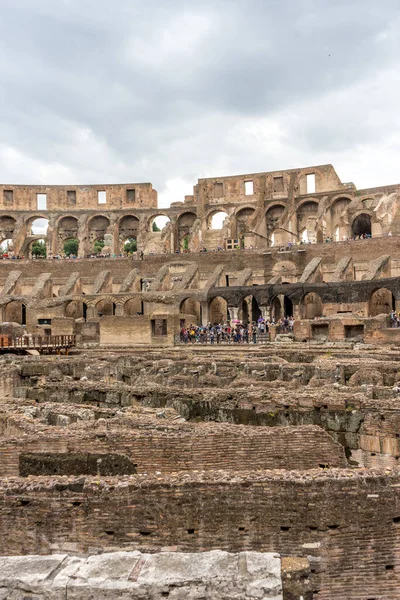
(293, 237)
(261, 210)
(136, 455)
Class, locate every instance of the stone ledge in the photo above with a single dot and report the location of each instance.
(212, 575)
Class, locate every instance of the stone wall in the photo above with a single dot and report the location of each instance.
(187, 448)
(345, 522)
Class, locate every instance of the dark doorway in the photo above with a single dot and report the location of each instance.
(361, 225)
(288, 307)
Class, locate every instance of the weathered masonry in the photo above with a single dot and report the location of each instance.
(258, 210)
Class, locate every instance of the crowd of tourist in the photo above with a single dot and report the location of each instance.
(234, 332)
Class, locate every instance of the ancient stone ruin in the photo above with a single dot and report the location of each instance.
(141, 460)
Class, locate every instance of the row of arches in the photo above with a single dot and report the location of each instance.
(276, 225)
(382, 301)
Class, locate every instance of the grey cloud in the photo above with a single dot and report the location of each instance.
(161, 86)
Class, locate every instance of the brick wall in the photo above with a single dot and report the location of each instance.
(346, 522)
(204, 447)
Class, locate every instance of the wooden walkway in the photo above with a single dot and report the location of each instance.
(36, 344)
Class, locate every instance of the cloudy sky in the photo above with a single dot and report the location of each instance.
(94, 91)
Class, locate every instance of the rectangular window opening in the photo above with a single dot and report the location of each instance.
(311, 183)
(41, 201)
(8, 196)
(101, 197)
(278, 184)
(218, 190)
(71, 197)
(248, 188)
(130, 195)
(158, 327)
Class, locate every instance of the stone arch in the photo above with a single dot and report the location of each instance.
(7, 228)
(128, 229)
(361, 225)
(281, 306)
(160, 223)
(311, 306)
(15, 312)
(191, 309)
(249, 311)
(97, 229)
(40, 223)
(76, 309)
(272, 217)
(307, 214)
(133, 307)
(242, 219)
(285, 269)
(105, 308)
(67, 229)
(216, 218)
(218, 310)
(185, 223)
(34, 250)
(382, 301)
(336, 210)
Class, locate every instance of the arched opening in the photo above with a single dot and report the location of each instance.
(15, 312)
(133, 307)
(76, 309)
(185, 224)
(105, 308)
(250, 311)
(304, 236)
(159, 222)
(190, 311)
(130, 246)
(361, 226)
(276, 310)
(7, 226)
(243, 217)
(312, 306)
(381, 302)
(218, 311)
(67, 230)
(217, 220)
(37, 248)
(39, 226)
(287, 306)
(71, 247)
(306, 221)
(337, 212)
(272, 218)
(97, 229)
(127, 233)
(281, 306)
(6, 247)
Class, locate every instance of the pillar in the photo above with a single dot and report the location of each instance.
(265, 312)
(204, 313)
(91, 312)
(233, 312)
(119, 310)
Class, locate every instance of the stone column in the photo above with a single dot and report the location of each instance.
(119, 310)
(91, 312)
(204, 313)
(265, 312)
(233, 312)
(83, 236)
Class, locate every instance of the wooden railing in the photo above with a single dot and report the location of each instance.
(37, 342)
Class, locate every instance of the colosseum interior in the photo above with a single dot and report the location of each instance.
(141, 461)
